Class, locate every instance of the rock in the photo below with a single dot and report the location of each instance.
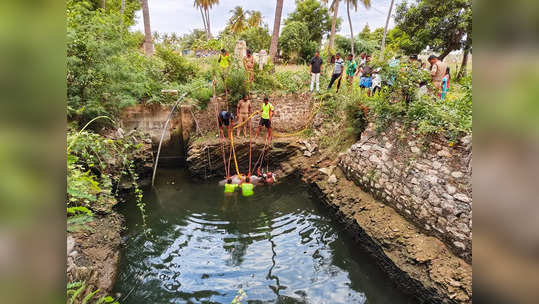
(462, 197)
(327, 171)
(457, 174)
(307, 154)
(431, 178)
(415, 150)
(459, 245)
(332, 179)
(444, 153)
(450, 189)
(436, 165)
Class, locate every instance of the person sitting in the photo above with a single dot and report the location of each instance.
(247, 187)
(224, 118)
(230, 187)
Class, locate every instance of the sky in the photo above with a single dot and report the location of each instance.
(168, 16)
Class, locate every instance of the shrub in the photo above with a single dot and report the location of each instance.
(176, 67)
(236, 83)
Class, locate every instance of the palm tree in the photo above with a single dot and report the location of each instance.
(255, 18)
(237, 22)
(148, 44)
(122, 8)
(334, 7)
(354, 3)
(276, 27)
(385, 30)
(205, 6)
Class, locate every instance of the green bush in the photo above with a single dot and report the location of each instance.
(236, 83)
(176, 67)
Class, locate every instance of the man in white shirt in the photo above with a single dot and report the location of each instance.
(337, 71)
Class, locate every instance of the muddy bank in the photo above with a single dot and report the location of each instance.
(421, 265)
(93, 252)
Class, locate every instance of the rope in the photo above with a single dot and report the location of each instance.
(248, 118)
(221, 136)
(250, 153)
(234, 153)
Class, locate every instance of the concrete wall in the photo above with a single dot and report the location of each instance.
(291, 112)
(428, 181)
(151, 119)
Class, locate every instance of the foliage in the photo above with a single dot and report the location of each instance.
(342, 45)
(236, 83)
(105, 69)
(187, 40)
(93, 164)
(176, 67)
(238, 22)
(198, 89)
(315, 16)
(293, 82)
(294, 42)
(239, 297)
(441, 25)
(75, 291)
(256, 38)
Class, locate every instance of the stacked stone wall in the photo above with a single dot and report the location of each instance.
(427, 180)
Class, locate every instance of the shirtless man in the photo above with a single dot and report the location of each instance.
(249, 65)
(243, 110)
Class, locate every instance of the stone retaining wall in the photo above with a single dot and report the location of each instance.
(427, 181)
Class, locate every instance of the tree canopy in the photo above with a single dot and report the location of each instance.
(444, 26)
(315, 16)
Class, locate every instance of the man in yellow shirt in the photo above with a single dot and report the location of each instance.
(266, 111)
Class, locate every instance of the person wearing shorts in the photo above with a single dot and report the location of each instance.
(266, 111)
(365, 82)
(224, 119)
(243, 110)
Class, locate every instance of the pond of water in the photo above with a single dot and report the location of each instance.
(280, 246)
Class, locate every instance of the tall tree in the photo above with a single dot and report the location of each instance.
(354, 3)
(442, 25)
(122, 8)
(238, 22)
(255, 18)
(205, 6)
(334, 7)
(314, 15)
(103, 4)
(276, 27)
(148, 43)
(385, 30)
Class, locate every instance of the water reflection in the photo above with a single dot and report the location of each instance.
(279, 246)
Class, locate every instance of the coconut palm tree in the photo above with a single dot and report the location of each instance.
(334, 7)
(205, 6)
(148, 43)
(276, 27)
(122, 8)
(385, 30)
(354, 3)
(255, 18)
(238, 22)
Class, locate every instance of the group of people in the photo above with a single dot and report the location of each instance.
(227, 119)
(369, 77)
(248, 63)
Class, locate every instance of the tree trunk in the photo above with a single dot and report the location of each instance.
(351, 31)
(122, 9)
(148, 44)
(208, 23)
(103, 4)
(463, 71)
(385, 30)
(333, 25)
(204, 22)
(276, 27)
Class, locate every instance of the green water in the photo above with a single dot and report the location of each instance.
(279, 246)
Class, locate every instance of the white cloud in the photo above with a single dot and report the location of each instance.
(181, 16)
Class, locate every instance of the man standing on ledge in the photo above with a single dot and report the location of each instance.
(265, 117)
(243, 110)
